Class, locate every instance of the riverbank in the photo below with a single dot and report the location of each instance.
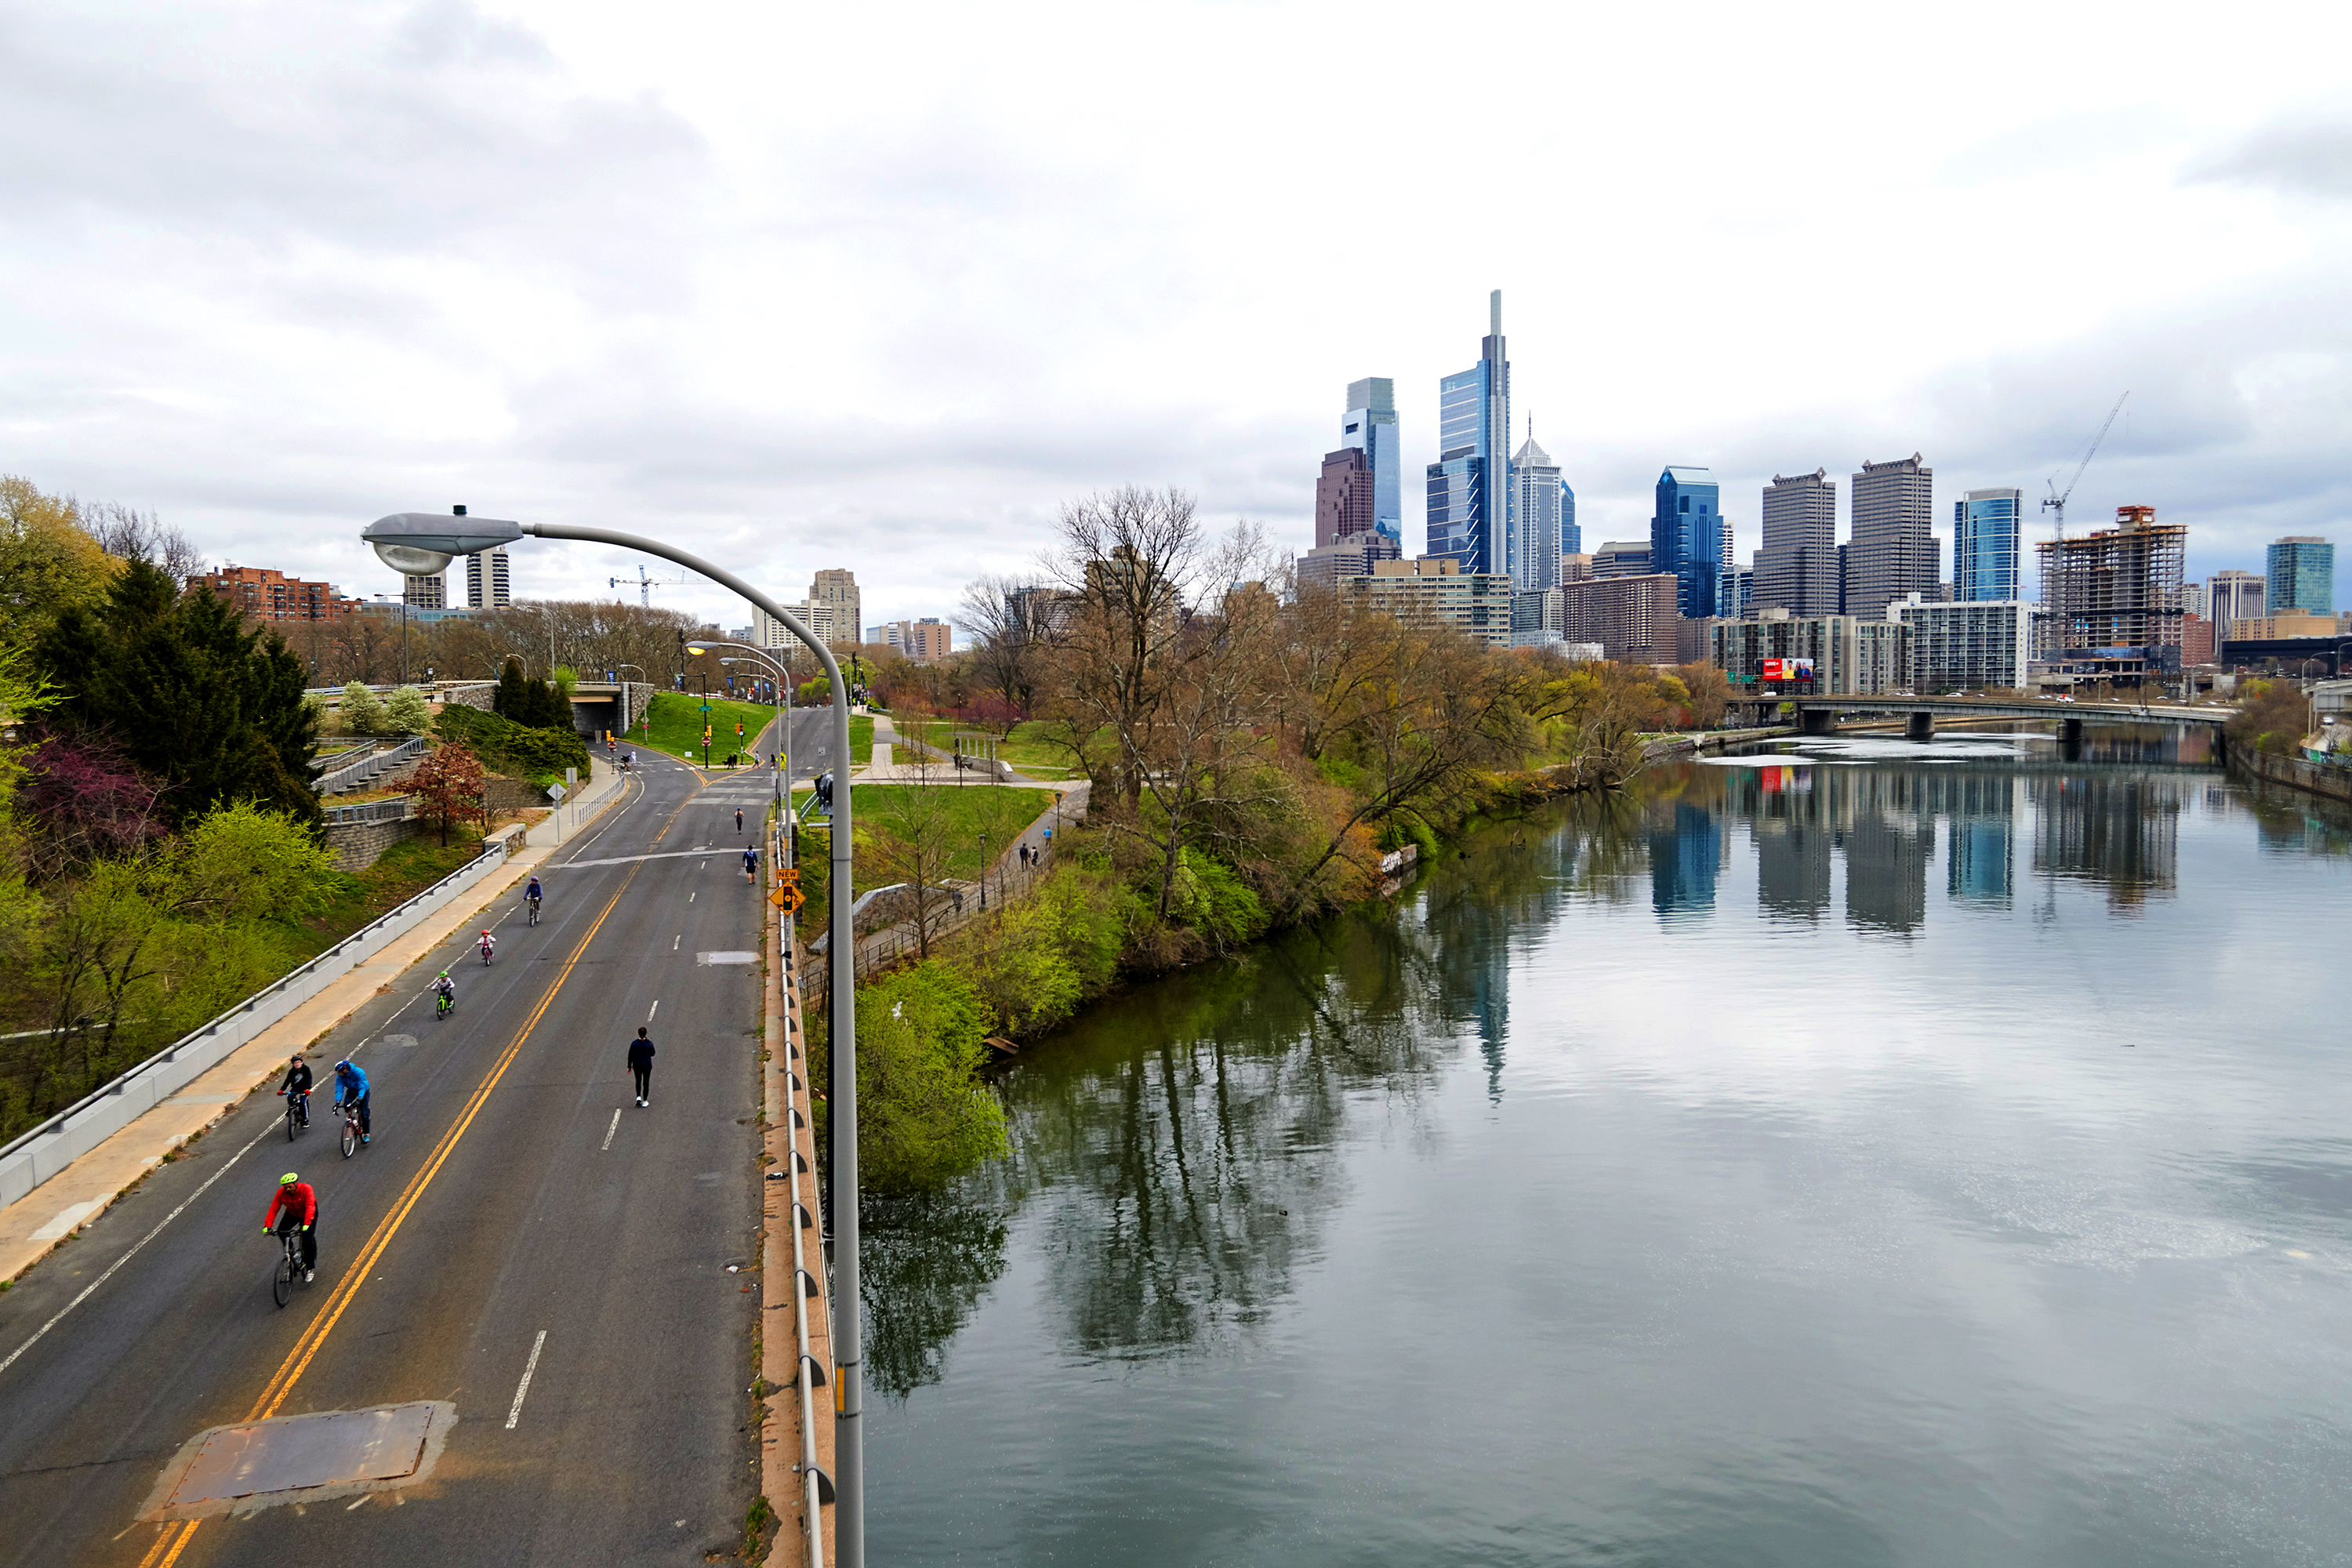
(2295, 773)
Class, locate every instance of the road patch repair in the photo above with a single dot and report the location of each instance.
(308, 1458)
(735, 957)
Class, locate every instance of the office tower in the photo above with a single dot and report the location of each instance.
(1572, 537)
(1370, 427)
(1844, 581)
(429, 593)
(1988, 530)
(2192, 598)
(1622, 558)
(1892, 547)
(2117, 594)
(1686, 537)
(1469, 485)
(1797, 568)
(835, 593)
(2301, 570)
(1536, 506)
(1343, 496)
(2234, 596)
(1734, 592)
(487, 586)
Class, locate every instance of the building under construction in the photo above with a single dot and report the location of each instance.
(2114, 597)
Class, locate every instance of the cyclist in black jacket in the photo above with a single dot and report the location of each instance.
(297, 1084)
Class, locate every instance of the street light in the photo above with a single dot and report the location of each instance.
(783, 678)
(419, 543)
(983, 870)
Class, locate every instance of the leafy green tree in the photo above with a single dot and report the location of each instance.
(533, 704)
(181, 690)
(409, 713)
(363, 712)
(48, 562)
(2272, 716)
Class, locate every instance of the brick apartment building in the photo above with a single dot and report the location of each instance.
(261, 594)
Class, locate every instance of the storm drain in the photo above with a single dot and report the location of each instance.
(302, 1458)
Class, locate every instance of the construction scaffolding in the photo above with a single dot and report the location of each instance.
(2114, 597)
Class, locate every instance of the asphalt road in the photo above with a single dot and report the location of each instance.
(514, 1186)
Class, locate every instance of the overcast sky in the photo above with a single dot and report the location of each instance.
(881, 285)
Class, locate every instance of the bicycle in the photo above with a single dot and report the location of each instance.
(351, 1114)
(442, 1007)
(290, 1268)
(534, 910)
(298, 1113)
(485, 954)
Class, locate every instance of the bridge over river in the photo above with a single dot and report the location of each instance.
(1819, 715)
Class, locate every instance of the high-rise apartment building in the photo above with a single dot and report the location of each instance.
(1734, 592)
(2301, 570)
(1370, 426)
(427, 592)
(1633, 618)
(1849, 657)
(487, 586)
(1686, 537)
(260, 594)
(2234, 596)
(1469, 485)
(1987, 534)
(1432, 590)
(1797, 568)
(834, 591)
(1343, 496)
(1967, 646)
(1893, 549)
(1354, 556)
(922, 641)
(1540, 505)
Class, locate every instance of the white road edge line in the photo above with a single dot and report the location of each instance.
(267, 1130)
(524, 1388)
(610, 1131)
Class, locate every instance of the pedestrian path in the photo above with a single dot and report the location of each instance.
(35, 1224)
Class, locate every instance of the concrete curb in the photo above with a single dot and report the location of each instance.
(35, 1225)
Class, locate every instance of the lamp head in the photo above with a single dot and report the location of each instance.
(697, 649)
(419, 543)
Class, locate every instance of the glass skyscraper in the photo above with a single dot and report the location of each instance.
(1370, 427)
(1987, 549)
(1687, 537)
(1470, 483)
(2301, 572)
(1541, 511)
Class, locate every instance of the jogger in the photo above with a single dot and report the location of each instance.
(641, 1065)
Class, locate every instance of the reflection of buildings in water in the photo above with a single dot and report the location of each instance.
(1980, 863)
(1887, 849)
(1683, 861)
(2120, 830)
(1792, 841)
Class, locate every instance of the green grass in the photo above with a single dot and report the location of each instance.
(1026, 748)
(402, 872)
(675, 725)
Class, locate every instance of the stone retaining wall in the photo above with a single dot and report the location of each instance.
(360, 845)
(2334, 783)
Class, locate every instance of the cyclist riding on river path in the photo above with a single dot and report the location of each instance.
(295, 1204)
(532, 895)
(488, 944)
(352, 1090)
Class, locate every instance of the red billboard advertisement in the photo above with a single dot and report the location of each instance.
(1788, 669)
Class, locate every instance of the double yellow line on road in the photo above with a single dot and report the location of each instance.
(170, 1543)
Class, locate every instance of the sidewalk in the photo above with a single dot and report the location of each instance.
(31, 1227)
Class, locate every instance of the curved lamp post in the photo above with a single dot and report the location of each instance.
(418, 543)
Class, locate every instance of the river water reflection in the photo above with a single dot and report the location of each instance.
(1872, 1154)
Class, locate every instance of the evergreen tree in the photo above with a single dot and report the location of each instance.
(179, 687)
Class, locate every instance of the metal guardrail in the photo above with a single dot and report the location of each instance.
(34, 1157)
(798, 1110)
(325, 761)
(400, 808)
(357, 775)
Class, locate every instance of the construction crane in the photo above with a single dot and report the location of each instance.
(646, 585)
(2056, 499)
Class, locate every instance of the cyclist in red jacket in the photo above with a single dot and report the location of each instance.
(295, 1204)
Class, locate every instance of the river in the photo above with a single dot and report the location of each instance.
(1868, 1152)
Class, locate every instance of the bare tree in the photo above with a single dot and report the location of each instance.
(1000, 616)
(128, 533)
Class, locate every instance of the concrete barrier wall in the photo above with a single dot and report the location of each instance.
(2334, 783)
(49, 1148)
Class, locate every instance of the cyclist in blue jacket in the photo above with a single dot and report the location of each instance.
(352, 1090)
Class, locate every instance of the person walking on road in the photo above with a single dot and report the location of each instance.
(641, 1065)
(296, 1204)
(751, 863)
(739, 819)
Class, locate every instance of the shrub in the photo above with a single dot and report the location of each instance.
(407, 713)
(512, 748)
(363, 712)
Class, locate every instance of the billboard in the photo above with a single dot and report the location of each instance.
(1788, 669)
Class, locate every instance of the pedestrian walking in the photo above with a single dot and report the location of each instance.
(641, 1066)
(739, 819)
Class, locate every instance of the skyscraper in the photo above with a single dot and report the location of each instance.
(1987, 529)
(1344, 497)
(2301, 571)
(1797, 569)
(1370, 427)
(1686, 537)
(2234, 596)
(1572, 537)
(427, 592)
(1539, 500)
(487, 586)
(1469, 485)
(1894, 545)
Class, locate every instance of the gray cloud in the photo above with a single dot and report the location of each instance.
(2304, 157)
